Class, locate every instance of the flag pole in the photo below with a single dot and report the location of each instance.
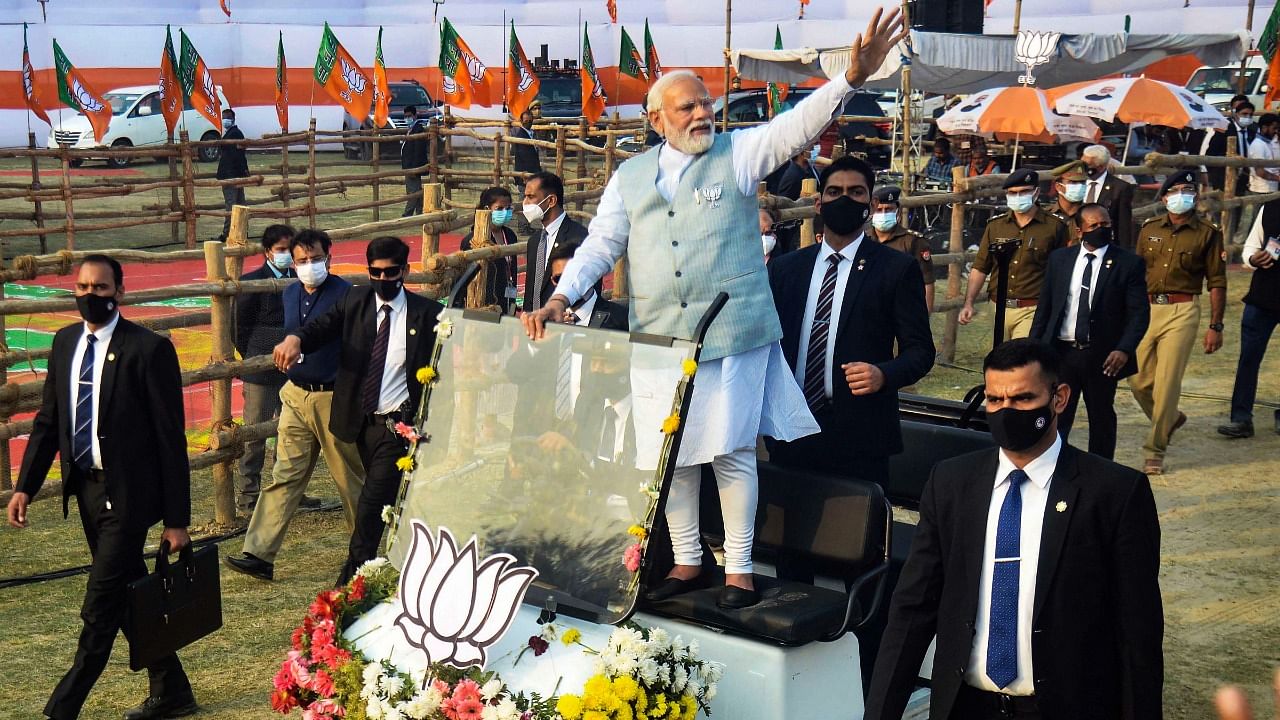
(728, 37)
(1244, 61)
(506, 66)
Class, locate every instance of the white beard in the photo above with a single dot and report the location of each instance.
(689, 144)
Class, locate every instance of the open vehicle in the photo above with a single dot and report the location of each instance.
(403, 93)
(1219, 84)
(542, 492)
(136, 121)
(753, 106)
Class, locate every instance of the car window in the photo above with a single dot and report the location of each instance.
(1221, 80)
(748, 109)
(559, 90)
(152, 100)
(863, 104)
(409, 94)
(120, 102)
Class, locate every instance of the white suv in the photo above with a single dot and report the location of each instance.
(136, 121)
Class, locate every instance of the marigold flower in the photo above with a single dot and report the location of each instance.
(569, 707)
(571, 636)
(690, 367)
(426, 374)
(671, 424)
(405, 463)
(638, 531)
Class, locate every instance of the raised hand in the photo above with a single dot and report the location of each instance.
(870, 48)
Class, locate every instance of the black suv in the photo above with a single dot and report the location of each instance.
(403, 93)
(752, 106)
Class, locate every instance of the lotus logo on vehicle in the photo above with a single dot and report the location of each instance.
(453, 606)
(85, 99)
(1034, 48)
(353, 77)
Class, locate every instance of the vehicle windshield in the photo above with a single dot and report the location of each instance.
(409, 95)
(1223, 80)
(558, 90)
(120, 102)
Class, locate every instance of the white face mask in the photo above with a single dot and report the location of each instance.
(313, 274)
(1244, 121)
(533, 212)
(282, 260)
(884, 221)
(770, 242)
(1074, 192)
(1180, 203)
(1020, 203)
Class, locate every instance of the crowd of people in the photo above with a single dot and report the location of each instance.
(1035, 564)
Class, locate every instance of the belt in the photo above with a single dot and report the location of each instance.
(1020, 303)
(1171, 298)
(1074, 345)
(1006, 705)
(94, 475)
(315, 387)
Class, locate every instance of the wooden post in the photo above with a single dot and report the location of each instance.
(376, 159)
(1230, 175)
(583, 135)
(560, 146)
(38, 207)
(808, 190)
(610, 156)
(433, 152)
(480, 237)
(175, 205)
(431, 193)
(448, 139)
(311, 174)
(728, 45)
(224, 502)
(284, 172)
(954, 245)
(188, 189)
(237, 237)
(497, 161)
(507, 127)
(67, 208)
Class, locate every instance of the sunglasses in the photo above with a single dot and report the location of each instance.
(389, 273)
(555, 279)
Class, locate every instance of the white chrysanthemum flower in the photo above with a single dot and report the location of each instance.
(392, 684)
(710, 694)
(373, 709)
(693, 649)
(693, 687)
(491, 689)
(371, 673)
(679, 678)
(712, 671)
(660, 640)
(548, 632)
(507, 710)
(489, 713)
(372, 566)
(648, 671)
(392, 712)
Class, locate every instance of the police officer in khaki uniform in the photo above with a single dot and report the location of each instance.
(1071, 190)
(885, 204)
(1040, 232)
(1182, 253)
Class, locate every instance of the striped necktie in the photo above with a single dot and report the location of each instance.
(815, 367)
(539, 272)
(371, 391)
(1002, 625)
(82, 440)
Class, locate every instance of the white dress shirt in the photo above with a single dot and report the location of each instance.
(1262, 148)
(1242, 141)
(757, 151)
(1257, 238)
(552, 229)
(101, 351)
(1035, 496)
(583, 312)
(622, 414)
(1067, 331)
(395, 384)
(811, 306)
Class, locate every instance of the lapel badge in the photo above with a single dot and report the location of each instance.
(111, 357)
(862, 263)
(1061, 506)
(712, 195)
(413, 331)
(1109, 261)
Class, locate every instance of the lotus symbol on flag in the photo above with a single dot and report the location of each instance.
(27, 84)
(88, 103)
(450, 85)
(525, 79)
(355, 80)
(1033, 48)
(452, 606)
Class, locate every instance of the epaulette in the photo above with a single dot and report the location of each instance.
(1157, 218)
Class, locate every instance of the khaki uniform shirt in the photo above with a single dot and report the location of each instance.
(1069, 220)
(1182, 259)
(913, 244)
(1044, 234)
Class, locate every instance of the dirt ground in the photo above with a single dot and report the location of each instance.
(1220, 570)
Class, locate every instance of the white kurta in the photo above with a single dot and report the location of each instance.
(741, 396)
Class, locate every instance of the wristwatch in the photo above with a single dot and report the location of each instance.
(1216, 327)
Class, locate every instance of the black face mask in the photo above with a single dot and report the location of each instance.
(387, 289)
(1017, 430)
(844, 215)
(1098, 237)
(96, 309)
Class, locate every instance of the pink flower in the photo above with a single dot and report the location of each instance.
(297, 667)
(631, 557)
(326, 605)
(322, 684)
(356, 593)
(466, 690)
(469, 709)
(282, 701)
(408, 432)
(284, 678)
(323, 710)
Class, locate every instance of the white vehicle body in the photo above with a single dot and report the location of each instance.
(1219, 84)
(136, 121)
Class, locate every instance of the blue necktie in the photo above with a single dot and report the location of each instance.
(82, 440)
(1002, 626)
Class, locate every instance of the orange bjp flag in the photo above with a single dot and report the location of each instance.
(381, 89)
(593, 97)
(523, 83)
(339, 74)
(465, 81)
(74, 92)
(170, 90)
(29, 82)
(197, 83)
(282, 87)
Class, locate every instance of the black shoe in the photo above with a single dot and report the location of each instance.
(671, 587)
(251, 565)
(310, 503)
(1236, 430)
(733, 597)
(156, 708)
(1278, 422)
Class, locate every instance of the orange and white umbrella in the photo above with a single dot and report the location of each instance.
(1021, 112)
(1134, 100)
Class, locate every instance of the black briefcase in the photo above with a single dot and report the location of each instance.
(173, 607)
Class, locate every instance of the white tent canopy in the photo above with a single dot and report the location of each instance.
(948, 63)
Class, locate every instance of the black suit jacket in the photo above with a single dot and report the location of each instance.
(1119, 310)
(260, 325)
(1217, 147)
(883, 305)
(1097, 624)
(1116, 196)
(793, 177)
(609, 315)
(231, 158)
(141, 429)
(570, 234)
(352, 320)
